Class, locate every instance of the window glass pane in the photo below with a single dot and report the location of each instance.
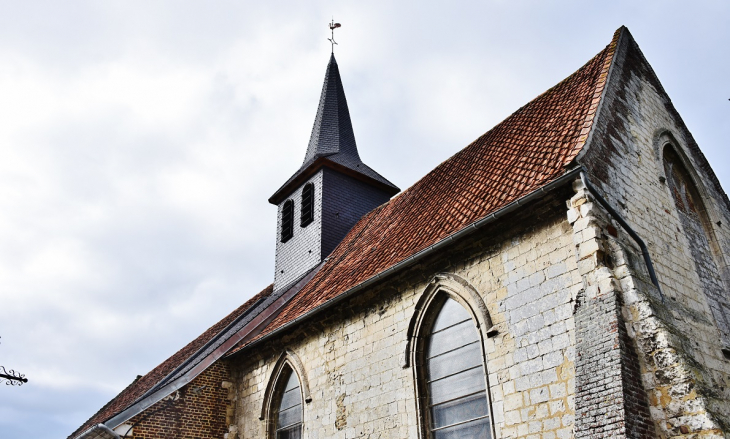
(290, 398)
(452, 362)
(451, 313)
(289, 417)
(478, 429)
(294, 432)
(456, 376)
(452, 338)
(464, 383)
(464, 409)
(290, 405)
(292, 382)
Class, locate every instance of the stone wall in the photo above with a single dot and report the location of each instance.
(679, 347)
(355, 356)
(611, 400)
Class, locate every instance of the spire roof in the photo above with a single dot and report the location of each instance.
(332, 142)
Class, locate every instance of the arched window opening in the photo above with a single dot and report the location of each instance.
(455, 378)
(307, 204)
(287, 417)
(685, 194)
(287, 221)
(699, 233)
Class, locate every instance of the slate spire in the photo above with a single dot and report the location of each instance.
(332, 142)
(332, 132)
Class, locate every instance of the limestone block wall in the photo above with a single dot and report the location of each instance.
(678, 340)
(355, 356)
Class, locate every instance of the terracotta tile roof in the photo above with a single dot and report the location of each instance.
(141, 385)
(524, 152)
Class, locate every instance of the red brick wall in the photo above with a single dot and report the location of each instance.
(197, 411)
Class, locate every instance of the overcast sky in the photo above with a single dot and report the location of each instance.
(140, 141)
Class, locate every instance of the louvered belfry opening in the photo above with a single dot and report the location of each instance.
(455, 377)
(287, 221)
(307, 205)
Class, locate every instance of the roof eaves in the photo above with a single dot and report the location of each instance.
(323, 160)
(98, 431)
(268, 310)
(144, 383)
(567, 177)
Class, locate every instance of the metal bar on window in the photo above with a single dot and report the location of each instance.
(460, 423)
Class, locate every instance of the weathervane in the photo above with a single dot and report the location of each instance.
(333, 26)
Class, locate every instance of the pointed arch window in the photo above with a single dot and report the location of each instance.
(287, 221)
(454, 377)
(288, 414)
(307, 204)
(698, 229)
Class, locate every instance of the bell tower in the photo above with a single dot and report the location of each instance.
(329, 193)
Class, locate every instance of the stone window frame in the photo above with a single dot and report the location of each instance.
(288, 361)
(442, 286)
(665, 139)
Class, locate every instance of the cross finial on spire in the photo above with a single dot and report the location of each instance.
(333, 26)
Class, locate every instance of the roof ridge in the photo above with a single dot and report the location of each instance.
(609, 55)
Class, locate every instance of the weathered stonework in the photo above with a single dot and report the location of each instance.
(611, 400)
(678, 343)
(354, 357)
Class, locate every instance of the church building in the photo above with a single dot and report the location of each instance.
(565, 275)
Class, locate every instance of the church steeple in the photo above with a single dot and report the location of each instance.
(333, 140)
(332, 132)
(330, 192)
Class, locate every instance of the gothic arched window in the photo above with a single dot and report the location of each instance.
(307, 204)
(287, 221)
(454, 377)
(697, 227)
(287, 415)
